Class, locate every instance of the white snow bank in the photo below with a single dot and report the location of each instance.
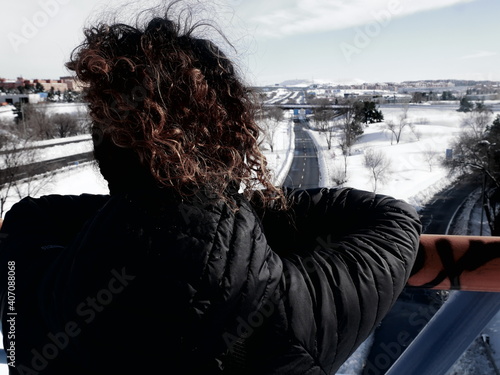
(57, 150)
(411, 177)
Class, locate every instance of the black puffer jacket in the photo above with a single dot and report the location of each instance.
(140, 283)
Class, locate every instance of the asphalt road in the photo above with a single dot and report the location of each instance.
(437, 216)
(304, 172)
(414, 308)
(24, 171)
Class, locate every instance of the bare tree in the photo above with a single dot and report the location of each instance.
(430, 156)
(475, 145)
(330, 133)
(30, 181)
(11, 161)
(345, 148)
(65, 124)
(422, 121)
(477, 121)
(379, 166)
(276, 114)
(396, 127)
(416, 132)
(323, 115)
(350, 128)
(476, 153)
(338, 176)
(270, 120)
(37, 122)
(269, 128)
(17, 173)
(7, 173)
(83, 120)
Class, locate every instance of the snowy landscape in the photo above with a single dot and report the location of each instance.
(412, 177)
(417, 60)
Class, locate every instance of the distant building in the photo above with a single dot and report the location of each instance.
(73, 84)
(62, 84)
(9, 84)
(21, 98)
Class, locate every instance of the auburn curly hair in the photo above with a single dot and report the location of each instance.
(168, 109)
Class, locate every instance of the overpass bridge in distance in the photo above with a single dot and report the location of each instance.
(304, 106)
(302, 111)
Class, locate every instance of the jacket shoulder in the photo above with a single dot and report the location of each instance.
(347, 255)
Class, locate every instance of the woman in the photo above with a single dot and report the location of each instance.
(194, 263)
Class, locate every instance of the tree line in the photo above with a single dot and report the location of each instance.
(476, 153)
(35, 122)
(18, 152)
(53, 95)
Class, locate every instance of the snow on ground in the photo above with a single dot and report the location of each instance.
(83, 145)
(411, 178)
(57, 151)
(280, 161)
(72, 108)
(78, 179)
(55, 141)
(279, 95)
(7, 113)
(73, 180)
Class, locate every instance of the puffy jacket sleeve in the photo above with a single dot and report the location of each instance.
(347, 254)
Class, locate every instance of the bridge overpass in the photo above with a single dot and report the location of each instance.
(303, 106)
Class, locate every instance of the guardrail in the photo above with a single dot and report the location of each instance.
(41, 167)
(468, 266)
(453, 262)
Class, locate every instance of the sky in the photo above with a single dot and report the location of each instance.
(337, 41)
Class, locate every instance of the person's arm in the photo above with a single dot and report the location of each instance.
(346, 255)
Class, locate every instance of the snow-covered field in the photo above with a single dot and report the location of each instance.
(58, 150)
(411, 178)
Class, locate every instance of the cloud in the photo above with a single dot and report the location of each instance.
(293, 17)
(479, 55)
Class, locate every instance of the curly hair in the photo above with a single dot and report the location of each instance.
(169, 109)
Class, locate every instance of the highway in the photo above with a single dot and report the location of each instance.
(438, 216)
(304, 172)
(41, 167)
(415, 307)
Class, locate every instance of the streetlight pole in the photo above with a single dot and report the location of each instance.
(482, 203)
(486, 144)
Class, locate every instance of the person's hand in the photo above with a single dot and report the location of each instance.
(1, 222)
